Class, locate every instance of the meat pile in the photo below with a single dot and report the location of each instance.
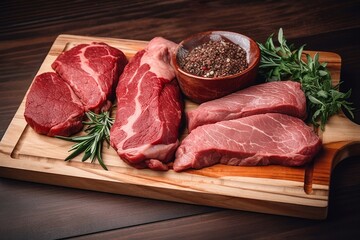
(259, 125)
(146, 128)
(85, 79)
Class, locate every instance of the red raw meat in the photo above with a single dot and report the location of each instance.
(52, 108)
(278, 97)
(146, 128)
(263, 139)
(92, 70)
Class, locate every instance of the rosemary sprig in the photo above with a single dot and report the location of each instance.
(97, 130)
(284, 62)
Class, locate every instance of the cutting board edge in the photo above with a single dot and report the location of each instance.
(348, 149)
(77, 168)
(12, 135)
(96, 38)
(317, 211)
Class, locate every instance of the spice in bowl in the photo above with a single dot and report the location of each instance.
(215, 59)
(210, 65)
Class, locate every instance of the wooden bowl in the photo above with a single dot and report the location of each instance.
(200, 89)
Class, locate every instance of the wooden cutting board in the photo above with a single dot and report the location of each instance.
(301, 192)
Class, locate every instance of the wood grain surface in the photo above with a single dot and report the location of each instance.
(37, 211)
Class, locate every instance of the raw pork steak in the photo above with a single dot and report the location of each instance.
(279, 97)
(145, 132)
(92, 70)
(52, 108)
(263, 139)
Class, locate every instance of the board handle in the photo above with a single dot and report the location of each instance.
(340, 129)
(342, 138)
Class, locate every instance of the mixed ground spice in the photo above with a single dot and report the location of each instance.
(215, 59)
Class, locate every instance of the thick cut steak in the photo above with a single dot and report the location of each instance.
(92, 70)
(52, 108)
(145, 132)
(278, 97)
(263, 139)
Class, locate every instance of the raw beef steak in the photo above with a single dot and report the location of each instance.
(263, 139)
(52, 108)
(92, 70)
(279, 97)
(145, 132)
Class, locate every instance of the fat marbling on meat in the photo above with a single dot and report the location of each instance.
(92, 70)
(149, 108)
(277, 97)
(262, 139)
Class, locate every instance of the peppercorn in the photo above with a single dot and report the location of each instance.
(215, 59)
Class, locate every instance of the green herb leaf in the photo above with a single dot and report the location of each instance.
(284, 62)
(91, 144)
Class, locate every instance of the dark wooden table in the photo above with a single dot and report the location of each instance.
(36, 211)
